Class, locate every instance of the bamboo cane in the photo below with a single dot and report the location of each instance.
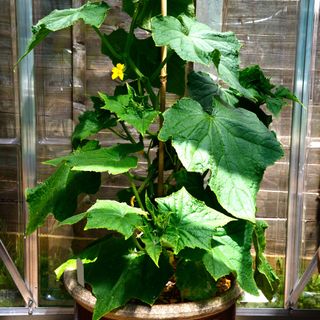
(163, 89)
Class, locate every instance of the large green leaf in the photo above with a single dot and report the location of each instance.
(264, 275)
(137, 113)
(231, 253)
(190, 222)
(203, 89)
(114, 160)
(146, 9)
(231, 142)
(113, 215)
(194, 281)
(58, 195)
(192, 40)
(196, 42)
(88, 255)
(121, 274)
(91, 13)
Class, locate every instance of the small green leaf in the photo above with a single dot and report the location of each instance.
(114, 160)
(136, 113)
(113, 215)
(121, 274)
(231, 142)
(90, 123)
(230, 252)
(73, 219)
(58, 195)
(264, 275)
(152, 243)
(70, 264)
(275, 104)
(91, 13)
(190, 222)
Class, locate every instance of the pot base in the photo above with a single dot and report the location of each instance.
(228, 314)
(218, 308)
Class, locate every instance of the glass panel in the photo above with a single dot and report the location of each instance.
(11, 222)
(267, 30)
(53, 87)
(8, 102)
(310, 298)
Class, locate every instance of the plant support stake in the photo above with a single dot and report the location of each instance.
(163, 89)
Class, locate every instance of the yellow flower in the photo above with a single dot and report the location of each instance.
(118, 71)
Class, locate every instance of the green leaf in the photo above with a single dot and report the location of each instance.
(196, 42)
(231, 253)
(274, 105)
(191, 223)
(128, 108)
(113, 215)
(73, 219)
(121, 274)
(229, 73)
(152, 243)
(58, 195)
(147, 9)
(253, 78)
(279, 99)
(90, 123)
(114, 160)
(264, 91)
(264, 275)
(231, 142)
(88, 255)
(92, 13)
(194, 281)
(70, 264)
(203, 89)
(192, 40)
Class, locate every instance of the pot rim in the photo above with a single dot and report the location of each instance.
(181, 310)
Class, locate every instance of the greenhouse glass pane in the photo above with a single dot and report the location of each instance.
(267, 30)
(53, 88)
(11, 221)
(310, 298)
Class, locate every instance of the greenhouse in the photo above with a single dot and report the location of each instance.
(159, 159)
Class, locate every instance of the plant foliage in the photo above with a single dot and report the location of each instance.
(217, 145)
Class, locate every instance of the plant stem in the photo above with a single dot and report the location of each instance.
(161, 65)
(127, 132)
(136, 242)
(135, 191)
(105, 41)
(118, 134)
(146, 82)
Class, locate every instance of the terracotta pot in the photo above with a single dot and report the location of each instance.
(221, 307)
